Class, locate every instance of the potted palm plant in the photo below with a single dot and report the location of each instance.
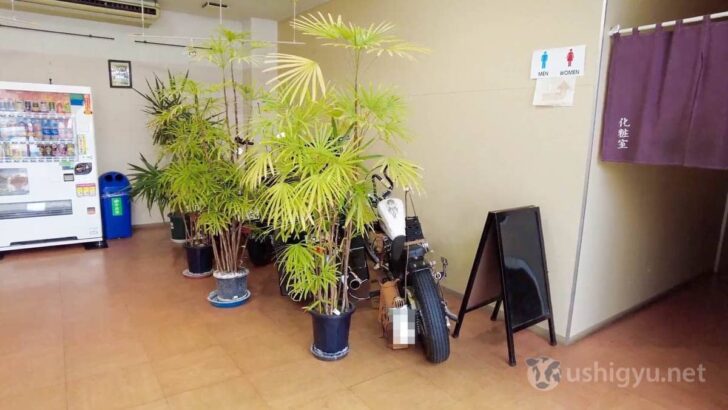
(226, 220)
(314, 163)
(228, 215)
(210, 133)
(163, 100)
(198, 145)
(203, 132)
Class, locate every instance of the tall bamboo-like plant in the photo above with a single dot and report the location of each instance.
(316, 157)
(211, 175)
(203, 132)
(229, 51)
(205, 181)
(197, 142)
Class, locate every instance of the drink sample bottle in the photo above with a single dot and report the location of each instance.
(61, 129)
(37, 129)
(54, 129)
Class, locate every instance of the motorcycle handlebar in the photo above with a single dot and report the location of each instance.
(389, 183)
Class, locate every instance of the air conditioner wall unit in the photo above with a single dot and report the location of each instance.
(113, 11)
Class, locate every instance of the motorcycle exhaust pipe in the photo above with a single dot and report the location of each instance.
(355, 282)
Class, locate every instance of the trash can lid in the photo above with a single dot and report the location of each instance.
(113, 179)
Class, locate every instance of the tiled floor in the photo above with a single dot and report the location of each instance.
(121, 328)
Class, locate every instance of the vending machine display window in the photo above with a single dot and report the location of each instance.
(36, 127)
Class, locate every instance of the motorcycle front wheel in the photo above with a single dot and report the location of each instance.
(433, 329)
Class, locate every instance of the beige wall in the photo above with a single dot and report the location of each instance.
(481, 142)
(646, 229)
(120, 123)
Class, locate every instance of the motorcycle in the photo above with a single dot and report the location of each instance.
(398, 248)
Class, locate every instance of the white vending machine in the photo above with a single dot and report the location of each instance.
(48, 176)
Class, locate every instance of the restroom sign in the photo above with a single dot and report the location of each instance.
(558, 62)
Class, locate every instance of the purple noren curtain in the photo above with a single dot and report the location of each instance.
(667, 97)
(708, 141)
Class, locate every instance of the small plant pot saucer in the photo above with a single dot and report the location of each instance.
(220, 303)
(187, 274)
(329, 357)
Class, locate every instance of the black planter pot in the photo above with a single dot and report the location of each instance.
(177, 227)
(261, 249)
(199, 259)
(331, 335)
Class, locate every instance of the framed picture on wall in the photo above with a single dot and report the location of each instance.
(119, 74)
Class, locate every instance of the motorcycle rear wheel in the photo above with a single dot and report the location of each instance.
(434, 332)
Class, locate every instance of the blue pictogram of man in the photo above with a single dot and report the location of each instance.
(544, 59)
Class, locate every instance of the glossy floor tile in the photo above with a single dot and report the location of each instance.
(195, 369)
(117, 389)
(233, 394)
(44, 398)
(121, 328)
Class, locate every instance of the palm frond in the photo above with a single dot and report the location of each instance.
(359, 211)
(147, 184)
(375, 38)
(320, 26)
(281, 206)
(298, 77)
(404, 173)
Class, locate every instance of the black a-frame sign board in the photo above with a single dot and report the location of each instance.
(510, 269)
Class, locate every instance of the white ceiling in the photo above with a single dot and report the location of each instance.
(240, 9)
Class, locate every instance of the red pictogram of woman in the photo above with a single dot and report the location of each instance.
(570, 57)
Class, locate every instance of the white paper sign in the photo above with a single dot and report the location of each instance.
(558, 62)
(555, 91)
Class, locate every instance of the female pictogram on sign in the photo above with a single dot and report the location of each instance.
(570, 57)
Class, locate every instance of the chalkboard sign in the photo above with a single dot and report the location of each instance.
(510, 269)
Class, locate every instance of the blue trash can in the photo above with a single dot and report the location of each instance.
(115, 191)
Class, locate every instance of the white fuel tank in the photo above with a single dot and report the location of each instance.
(392, 215)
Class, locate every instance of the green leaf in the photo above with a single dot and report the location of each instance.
(298, 77)
(372, 39)
(403, 172)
